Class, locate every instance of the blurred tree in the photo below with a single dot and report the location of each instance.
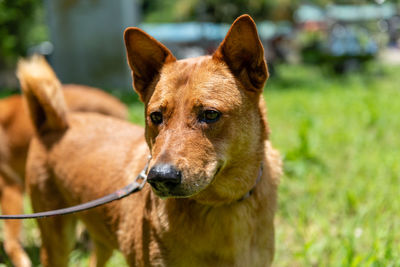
(19, 28)
(215, 10)
(228, 10)
(22, 21)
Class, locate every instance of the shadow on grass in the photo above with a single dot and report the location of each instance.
(129, 97)
(4, 92)
(313, 77)
(32, 251)
(81, 251)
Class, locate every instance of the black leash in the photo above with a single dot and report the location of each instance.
(131, 188)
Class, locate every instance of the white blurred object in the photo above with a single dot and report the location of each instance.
(46, 48)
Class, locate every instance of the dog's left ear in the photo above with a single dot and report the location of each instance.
(243, 52)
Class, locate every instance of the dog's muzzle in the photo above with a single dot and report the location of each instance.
(164, 178)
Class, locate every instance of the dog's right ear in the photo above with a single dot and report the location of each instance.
(146, 56)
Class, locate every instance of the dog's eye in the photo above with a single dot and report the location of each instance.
(209, 116)
(156, 117)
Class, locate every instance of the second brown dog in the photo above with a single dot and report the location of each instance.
(16, 131)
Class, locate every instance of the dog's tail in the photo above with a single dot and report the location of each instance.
(43, 93)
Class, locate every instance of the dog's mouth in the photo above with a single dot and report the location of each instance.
(184, 189)
(166, 191)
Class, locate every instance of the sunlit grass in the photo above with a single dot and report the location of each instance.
(339, 199)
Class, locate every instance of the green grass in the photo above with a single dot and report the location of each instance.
(339, 201)
(339, 198)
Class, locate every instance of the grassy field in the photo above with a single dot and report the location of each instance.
(340, 137)
(339, 201)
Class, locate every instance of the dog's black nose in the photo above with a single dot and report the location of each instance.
(164, 177)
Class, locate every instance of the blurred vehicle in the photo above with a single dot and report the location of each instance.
(344, 48)
(344, 37)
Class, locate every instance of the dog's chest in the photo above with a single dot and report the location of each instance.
(223, 237)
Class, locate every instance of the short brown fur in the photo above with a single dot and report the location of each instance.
(16, 131)
(205, 220)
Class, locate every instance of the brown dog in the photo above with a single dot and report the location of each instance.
(213, 172)
(16, 131)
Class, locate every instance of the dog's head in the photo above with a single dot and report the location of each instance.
(203, 120)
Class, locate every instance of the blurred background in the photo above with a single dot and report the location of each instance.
(333, 101)
(83, 39)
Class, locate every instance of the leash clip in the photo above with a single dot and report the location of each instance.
(143, 175)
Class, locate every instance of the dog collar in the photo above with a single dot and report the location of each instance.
(251, 191)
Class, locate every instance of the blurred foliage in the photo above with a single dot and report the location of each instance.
(228, 10)
(212, 10)
(21, 26)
